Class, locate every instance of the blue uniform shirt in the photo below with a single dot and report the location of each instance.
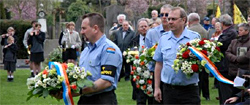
(152, 37)
(103, 52)
(166, 53)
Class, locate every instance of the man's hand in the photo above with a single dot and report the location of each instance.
(157, 94)
(58, 95)
(231, 100)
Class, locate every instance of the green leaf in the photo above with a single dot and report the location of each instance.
(28, 98)
(45, 93)
(37, 90)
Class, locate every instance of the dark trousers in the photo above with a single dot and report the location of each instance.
(135, 90)
(105, 98)
(142, 98)
(125, 70)
(203, 84)
(181, 94)
(225, 90)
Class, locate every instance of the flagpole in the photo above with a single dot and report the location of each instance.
(233, 11)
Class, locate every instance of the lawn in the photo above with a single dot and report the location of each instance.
(15, 92)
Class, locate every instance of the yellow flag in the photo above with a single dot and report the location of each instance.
(238, 17)
(217, 15)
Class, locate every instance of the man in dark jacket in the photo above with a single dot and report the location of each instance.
(228, 34)
(122, 39)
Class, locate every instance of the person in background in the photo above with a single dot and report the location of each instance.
(206, 23)
(154, 34)
(10, 51)
(194, 25)
(139, 41)
(212, 29)
(66, 31)
(25, 43)
(122, 39)
(10, 32)
(177, 88)
(72, 41)
(36, 40)
(228, 34)
(218, 31)
(238, 52)
(155, 17)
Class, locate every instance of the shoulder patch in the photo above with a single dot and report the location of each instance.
(110, 50)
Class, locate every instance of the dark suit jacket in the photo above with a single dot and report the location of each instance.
(227, 36)
(135, 41)
(123, 44)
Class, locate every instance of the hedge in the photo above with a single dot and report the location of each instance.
(20, 26)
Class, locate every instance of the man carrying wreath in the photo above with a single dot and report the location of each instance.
(177, 88)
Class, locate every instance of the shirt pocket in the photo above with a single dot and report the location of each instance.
(169, 55)
(94, 63)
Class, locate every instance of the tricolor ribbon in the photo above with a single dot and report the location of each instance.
(210, 66)
(67, 97)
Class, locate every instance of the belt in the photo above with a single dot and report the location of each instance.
(179, 86)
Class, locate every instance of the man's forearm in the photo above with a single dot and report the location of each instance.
(99, 85)
(158, 67)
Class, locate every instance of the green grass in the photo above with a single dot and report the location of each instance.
(16, 92)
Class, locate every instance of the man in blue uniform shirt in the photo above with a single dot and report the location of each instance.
(103, 59)
(177, 88)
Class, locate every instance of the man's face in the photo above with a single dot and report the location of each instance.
(164, 15)
(242, 31)
(213, 21)
(154, 14)
(125, 25)
(175, 21)
(206, 22)
(120, 20)
(143, 27)
(86, 30)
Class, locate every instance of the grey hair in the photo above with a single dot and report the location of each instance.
(193, 17)
(10, 28)
(121, 15)
(154, 11)
(226, 20)
(245, 26)
(167, 6)
(142, 19)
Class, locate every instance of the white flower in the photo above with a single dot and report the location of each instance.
(75, 76)
(82, 76)
(44, 76)
(138, 69)
(70, 73)
(44, 85)
(30, 81)
(149, 88)
(141, 81)
(78, 71)
(127, 60)
(146, 74)
(83, 69)
(30, 87)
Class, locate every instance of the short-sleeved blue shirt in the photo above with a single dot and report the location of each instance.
(152, 37)
(96, 55)
(166, 53)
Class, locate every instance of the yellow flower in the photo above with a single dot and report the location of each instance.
(88, 73)
(203, 62)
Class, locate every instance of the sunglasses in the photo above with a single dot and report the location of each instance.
(164, 14)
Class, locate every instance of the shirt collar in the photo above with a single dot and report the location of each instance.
(98, 42)
(184, 34)
(161, 29)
